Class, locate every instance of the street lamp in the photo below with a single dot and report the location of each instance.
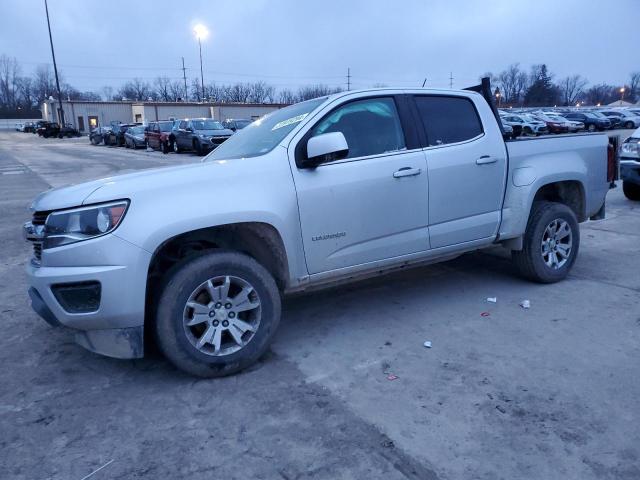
(621, 94)
(201, 33)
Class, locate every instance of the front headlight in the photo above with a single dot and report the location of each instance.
(78, 224)
(630, 148)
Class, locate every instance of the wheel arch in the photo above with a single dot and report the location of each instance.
(259, 240)
(567, 192)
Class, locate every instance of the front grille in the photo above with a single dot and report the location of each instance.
(35, 236)
(39, 218)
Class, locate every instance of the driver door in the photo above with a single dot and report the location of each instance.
(371, 205)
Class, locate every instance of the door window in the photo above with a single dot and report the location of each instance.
(448, 119)
(370, 126)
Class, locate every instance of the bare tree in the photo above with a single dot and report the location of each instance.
(286, 96)
(634, 86)
(196, 90)
(571, 88)
(136, 89)
(107, 92)
(260, 92)
(44, 83)
(176, 91)
(162, 88)
(9, 73)
(315, 91)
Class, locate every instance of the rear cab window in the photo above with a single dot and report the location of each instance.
(448, 119)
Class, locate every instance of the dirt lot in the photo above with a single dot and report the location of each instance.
(546, 393)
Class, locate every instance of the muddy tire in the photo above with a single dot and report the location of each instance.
(631, 190)
(218, 314)
(551, 243)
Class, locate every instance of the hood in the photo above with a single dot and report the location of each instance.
(120, 186)
(225, 132)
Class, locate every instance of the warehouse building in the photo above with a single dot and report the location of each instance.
(88, 115)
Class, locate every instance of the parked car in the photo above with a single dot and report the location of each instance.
(591, 121)
(615, 121)
(19, 127)
(553, 123)
(319, 192)
(235, 124)
(157, 135)
(198, 134)
(68, 131)
(508, 131)
(29, 127)
(528, 124)
(97, 135)
(48, 129)
(116, 135)
(627, 119)
(134, 137)
(39, 124)
(630, 166)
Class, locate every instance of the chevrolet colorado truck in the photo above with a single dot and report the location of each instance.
(318, 193)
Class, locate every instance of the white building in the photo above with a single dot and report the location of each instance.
(87, 115)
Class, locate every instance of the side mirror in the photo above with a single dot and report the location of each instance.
(325, 148)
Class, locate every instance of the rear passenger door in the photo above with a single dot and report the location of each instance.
(467, 168)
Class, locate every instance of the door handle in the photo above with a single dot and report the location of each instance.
(407, 172)
(485, 159)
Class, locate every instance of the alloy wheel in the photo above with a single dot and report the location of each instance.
(222, 315)
(556, 243)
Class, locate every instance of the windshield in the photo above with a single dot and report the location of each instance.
(136, 130)
(242, 123)
(589, 115)
(207, 125)
(263, 135)
(165, 126)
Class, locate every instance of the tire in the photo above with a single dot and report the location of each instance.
(178, 342)
(629, 125)
(591, 128)
(164, 147)
(197, 148)
(631, 190)
(530, 261)
(175, 147)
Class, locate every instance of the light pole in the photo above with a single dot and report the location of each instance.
(55, 68)
(201, 33)
(621, 95)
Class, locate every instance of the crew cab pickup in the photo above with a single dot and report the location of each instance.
(317, 193)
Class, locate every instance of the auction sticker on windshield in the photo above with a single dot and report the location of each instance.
(289, 121)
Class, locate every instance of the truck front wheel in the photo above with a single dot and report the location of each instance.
(217, 314)
(631, 190)
(551, 243)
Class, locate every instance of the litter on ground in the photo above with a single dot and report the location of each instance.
(525, 304)
(485, 314)
(391, 376)
(492, 299)
(427, 344)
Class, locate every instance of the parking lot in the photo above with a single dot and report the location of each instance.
(348, 390)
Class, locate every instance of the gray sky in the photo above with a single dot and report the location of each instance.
(288, 43)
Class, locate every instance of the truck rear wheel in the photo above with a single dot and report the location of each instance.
(217, 314)
(631, 190)
(551, 243)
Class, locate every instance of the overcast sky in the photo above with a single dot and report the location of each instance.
(288, 43)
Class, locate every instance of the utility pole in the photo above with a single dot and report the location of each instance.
(450, 79)
(201, 74)
(348, 79)
(55, 68)
(184, 75)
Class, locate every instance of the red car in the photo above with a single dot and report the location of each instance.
(156, 135)
(554, 125)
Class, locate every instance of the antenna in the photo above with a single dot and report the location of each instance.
(450, 79)
(348, 79)
(184, 75)
(425, 82)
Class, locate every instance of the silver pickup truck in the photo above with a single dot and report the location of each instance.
(337, 188)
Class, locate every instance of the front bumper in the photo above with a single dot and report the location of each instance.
(115, 327)
(630, 170)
